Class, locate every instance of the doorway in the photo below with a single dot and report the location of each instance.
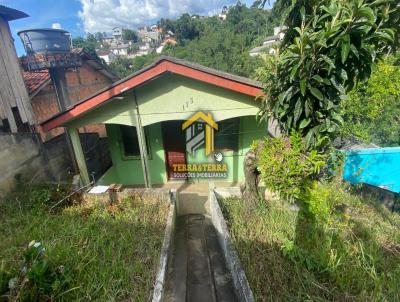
(174, 146)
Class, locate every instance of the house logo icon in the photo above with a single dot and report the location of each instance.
(199, 130)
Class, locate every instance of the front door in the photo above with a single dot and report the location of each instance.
(174, 146)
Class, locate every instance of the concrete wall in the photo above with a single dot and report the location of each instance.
(233, 263)
(24, 157)
(20, 157)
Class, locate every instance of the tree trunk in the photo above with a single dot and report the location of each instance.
(250, 187)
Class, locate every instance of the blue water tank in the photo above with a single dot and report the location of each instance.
(46, 41)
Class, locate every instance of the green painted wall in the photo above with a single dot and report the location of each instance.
(170, 97)
(174, 97)
(250, 130)
(129, 171)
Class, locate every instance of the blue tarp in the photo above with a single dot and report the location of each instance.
(378, 167)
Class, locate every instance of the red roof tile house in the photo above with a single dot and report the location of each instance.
(82, 83)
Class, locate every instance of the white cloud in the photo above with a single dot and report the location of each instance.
(56, 26)
(103, 15)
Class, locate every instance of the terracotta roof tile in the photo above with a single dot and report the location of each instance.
(35, 80)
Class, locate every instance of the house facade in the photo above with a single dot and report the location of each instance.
(173, 120)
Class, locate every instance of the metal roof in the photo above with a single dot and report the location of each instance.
(10, 14)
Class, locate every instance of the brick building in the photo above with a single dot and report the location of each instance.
(82, 82)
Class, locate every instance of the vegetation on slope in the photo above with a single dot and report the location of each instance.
(357, 259)
(92, 251)
(372, 113)
(223, 45)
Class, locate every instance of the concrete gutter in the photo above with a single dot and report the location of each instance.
(166, 250)
(240, 282)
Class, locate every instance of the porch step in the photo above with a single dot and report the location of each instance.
(192, 203)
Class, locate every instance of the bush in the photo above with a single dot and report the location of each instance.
(286, 166)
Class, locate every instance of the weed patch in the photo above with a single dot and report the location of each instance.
(92, 251)
(356, 258)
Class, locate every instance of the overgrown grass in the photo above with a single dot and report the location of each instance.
(360, 262)
(108, 252)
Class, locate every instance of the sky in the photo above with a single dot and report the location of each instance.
(82, 16)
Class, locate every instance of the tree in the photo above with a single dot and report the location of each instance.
(222, 45)
(372, 113)
(125, 66)
(99, 36)
(329, 47)
(88, 45)
(130, 35)
(91, 38)
(187, 28)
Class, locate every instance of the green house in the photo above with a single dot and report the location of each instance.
(144, 116)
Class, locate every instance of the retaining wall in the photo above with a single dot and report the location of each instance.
(240, 282)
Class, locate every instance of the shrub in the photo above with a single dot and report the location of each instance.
(286, 166)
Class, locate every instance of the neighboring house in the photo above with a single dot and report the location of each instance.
(169, 40)
(223, 14)
(15, 110)
(107, 56)
(107, 39)
(82, 82)
(155, 28)
(149, 36)
(117, 33)
(120, 49)
(146, 117)
(270, 43)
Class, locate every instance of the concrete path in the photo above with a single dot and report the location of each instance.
(197, 271)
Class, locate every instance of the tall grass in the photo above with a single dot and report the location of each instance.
(358, 260)
(110, 253)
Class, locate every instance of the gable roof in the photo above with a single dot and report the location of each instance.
(162, 65)
(35, 81)
(10, 14)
